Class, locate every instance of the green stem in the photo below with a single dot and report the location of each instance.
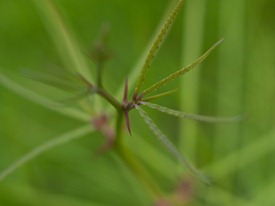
(124, 153)
(99, 74)
(119, 126)
(113, 101)
(132, 163)
(138, 170)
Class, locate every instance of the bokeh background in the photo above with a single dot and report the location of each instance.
(238, 78)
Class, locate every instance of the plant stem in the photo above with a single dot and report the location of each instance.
(132, 163)
(125, 154)
(119, 128)
(138, 170)
(99, 74)
(113, 101)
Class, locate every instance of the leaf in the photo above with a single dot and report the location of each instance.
(63, 38)
(135, 70)
(159, 39)
(196, 117)
(67, 137)
(251, 154)
(76, 84)
(147, 99)
(60, 79)
(40, 100)
(180, 72)
(65, 42)
(171, 148)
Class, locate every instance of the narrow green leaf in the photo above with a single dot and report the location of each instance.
(196, 117)
(67, 81)
(36, 98)
(265, 196)
(191, 47)
(162, 137)
(180, 72)
(217, 195)
(65, 42)
(159, 39)
(135, 70)
(67, 137)
(147, 99)
(63, 80)
(250, 154)
(63, 38)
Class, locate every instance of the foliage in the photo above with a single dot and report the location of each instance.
(231, 154)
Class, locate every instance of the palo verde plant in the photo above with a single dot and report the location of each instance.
(78, 80)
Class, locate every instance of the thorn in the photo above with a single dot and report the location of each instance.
(126, 115)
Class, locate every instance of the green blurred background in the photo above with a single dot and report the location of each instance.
(238, 78)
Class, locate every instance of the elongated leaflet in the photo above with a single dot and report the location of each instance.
(63, 38)
(63, 80)
(163, 32)
(67, 137)
(147, 99)
(196, 117)
(180, 72)
(162, 137)
(41, 100)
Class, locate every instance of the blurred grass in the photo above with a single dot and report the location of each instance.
(237, 78)
(193, 31)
